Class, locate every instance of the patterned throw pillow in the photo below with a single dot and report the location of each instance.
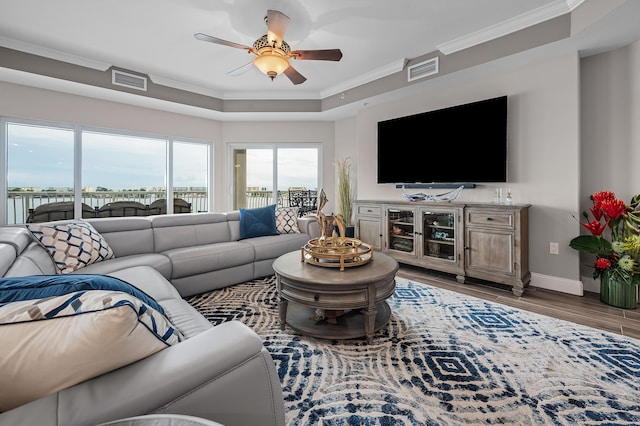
(88, 333)
(287, 220)
(72, 245)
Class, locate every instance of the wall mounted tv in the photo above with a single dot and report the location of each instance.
(460, 144)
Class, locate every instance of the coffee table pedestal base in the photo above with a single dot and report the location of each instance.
(351, 325)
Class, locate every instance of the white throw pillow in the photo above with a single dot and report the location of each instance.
(53, 343)
(287, 220)
(72, 245)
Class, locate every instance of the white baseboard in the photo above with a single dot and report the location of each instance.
(563, 285)
(590, 284)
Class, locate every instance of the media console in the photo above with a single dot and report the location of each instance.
(487, 241)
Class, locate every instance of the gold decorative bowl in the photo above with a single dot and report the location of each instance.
(337, 252)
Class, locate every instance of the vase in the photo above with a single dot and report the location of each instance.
(349, 231)
(617, 293)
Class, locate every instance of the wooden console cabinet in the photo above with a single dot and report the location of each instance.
(480, 240)
(368, 225)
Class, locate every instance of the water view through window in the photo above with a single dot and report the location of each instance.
(119, 175)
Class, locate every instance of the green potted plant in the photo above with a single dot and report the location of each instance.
(617, 258)
(345, 193)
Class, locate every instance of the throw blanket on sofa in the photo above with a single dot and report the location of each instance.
(15, 289)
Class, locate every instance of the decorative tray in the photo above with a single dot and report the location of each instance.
(337, 252)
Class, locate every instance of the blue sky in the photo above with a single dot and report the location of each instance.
(43, 157)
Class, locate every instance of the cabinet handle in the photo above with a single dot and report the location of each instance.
(316, 297)
(489, 218)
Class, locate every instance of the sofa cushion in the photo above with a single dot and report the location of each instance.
(72, 245)
(188, 230)
(258, 222)
(197, 260)
(287, 220)
(157, 261)
(272, 247)
(128, 235)
(61, 341)
(181, 314)
(7, 256)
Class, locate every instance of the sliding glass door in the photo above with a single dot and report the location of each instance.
(267, 174)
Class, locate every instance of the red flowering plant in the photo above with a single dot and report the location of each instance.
(612, 218)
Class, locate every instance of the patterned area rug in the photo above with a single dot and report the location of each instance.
(443, 359)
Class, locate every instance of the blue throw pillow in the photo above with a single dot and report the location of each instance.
(258, 222)
(30, 287)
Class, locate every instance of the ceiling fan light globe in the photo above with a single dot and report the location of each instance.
(271, 62)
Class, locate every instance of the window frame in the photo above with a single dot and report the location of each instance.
(274, 146)
(78, 130)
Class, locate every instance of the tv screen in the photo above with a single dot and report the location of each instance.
(460, 144)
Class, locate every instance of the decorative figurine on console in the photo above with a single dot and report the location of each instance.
(446, 196)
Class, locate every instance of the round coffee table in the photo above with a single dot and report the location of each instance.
(359, 291)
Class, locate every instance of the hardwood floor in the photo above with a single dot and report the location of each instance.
(586, 310)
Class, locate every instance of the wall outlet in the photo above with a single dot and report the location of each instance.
(553, 248)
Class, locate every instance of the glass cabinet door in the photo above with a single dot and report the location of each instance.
(401, 230)
(439, 228)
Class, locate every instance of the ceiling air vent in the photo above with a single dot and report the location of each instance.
(423, 69)
(125, 79)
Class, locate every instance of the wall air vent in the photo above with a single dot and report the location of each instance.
(423, 69)
(131, 81)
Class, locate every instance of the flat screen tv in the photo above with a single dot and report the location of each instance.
(460, 144)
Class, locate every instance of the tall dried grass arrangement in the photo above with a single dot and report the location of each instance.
(345, 191)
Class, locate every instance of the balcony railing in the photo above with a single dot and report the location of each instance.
(21, 203)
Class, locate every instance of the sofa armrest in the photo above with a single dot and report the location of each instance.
(223, 374)
(309, 225)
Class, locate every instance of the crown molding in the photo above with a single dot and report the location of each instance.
(164, 81)
(517, 23)
(376, 74)
(53, 54)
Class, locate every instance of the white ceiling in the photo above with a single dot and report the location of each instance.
(155, 37)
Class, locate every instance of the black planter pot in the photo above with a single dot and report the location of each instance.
(349, 231)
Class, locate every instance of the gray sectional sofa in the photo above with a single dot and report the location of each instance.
(222, 373)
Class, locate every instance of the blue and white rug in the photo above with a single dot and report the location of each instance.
(443, 359)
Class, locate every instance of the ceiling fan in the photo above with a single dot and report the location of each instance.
(272, 53)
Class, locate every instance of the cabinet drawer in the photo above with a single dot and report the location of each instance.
(369, 210)
(494, 219)
(323, 299)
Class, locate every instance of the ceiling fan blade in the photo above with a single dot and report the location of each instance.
(241, 70)
(294, 76)
(277, 23)
(318, 55)
(216, 40)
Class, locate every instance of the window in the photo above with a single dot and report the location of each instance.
(268, 174)
(122, 175)
(58, 172)
(39, 172)
(190, 177)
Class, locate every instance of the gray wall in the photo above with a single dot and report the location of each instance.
(544, 146)
(610, 129)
